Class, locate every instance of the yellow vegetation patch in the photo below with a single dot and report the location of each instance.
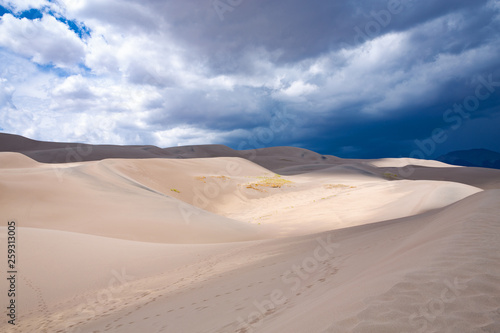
(201, 179)
(220, 177)
(341, 186)
(273, 182)
(204, 179)
(391, 176)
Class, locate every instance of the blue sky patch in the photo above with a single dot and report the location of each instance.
(61, 72)
(77, 27)
(31, 14)
(4, 11)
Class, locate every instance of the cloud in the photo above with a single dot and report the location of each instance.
(128, 16)
(6, 92)
(45, 41)
(24, 5)
(74, 88)
(359, 78)
(297, 89)
(11, 118)
(189, 135)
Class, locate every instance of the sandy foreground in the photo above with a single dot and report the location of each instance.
(206, 239)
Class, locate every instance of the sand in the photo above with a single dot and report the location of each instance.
(209, 239)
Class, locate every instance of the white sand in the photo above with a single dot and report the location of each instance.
(201, 245)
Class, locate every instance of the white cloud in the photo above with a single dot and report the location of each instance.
(13, 119)
(6, 92)
(22, 5)
(45, 41)
(299, 88)
(74, 87)
(295, 92)
(188, 135)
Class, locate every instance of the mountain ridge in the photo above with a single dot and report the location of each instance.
(483, 158)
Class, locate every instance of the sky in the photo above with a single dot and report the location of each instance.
(352, 78)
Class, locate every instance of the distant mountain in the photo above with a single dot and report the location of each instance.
(483, 158)
(59, 152)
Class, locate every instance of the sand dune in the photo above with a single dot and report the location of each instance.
(403, 162)
(15, 161)
(376, 279)
(478, 177)
(175, 201)
(209, 239)
(91, 198)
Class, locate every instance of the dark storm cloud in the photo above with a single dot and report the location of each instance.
(399, 134)
(295, 30)
(220, 109)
